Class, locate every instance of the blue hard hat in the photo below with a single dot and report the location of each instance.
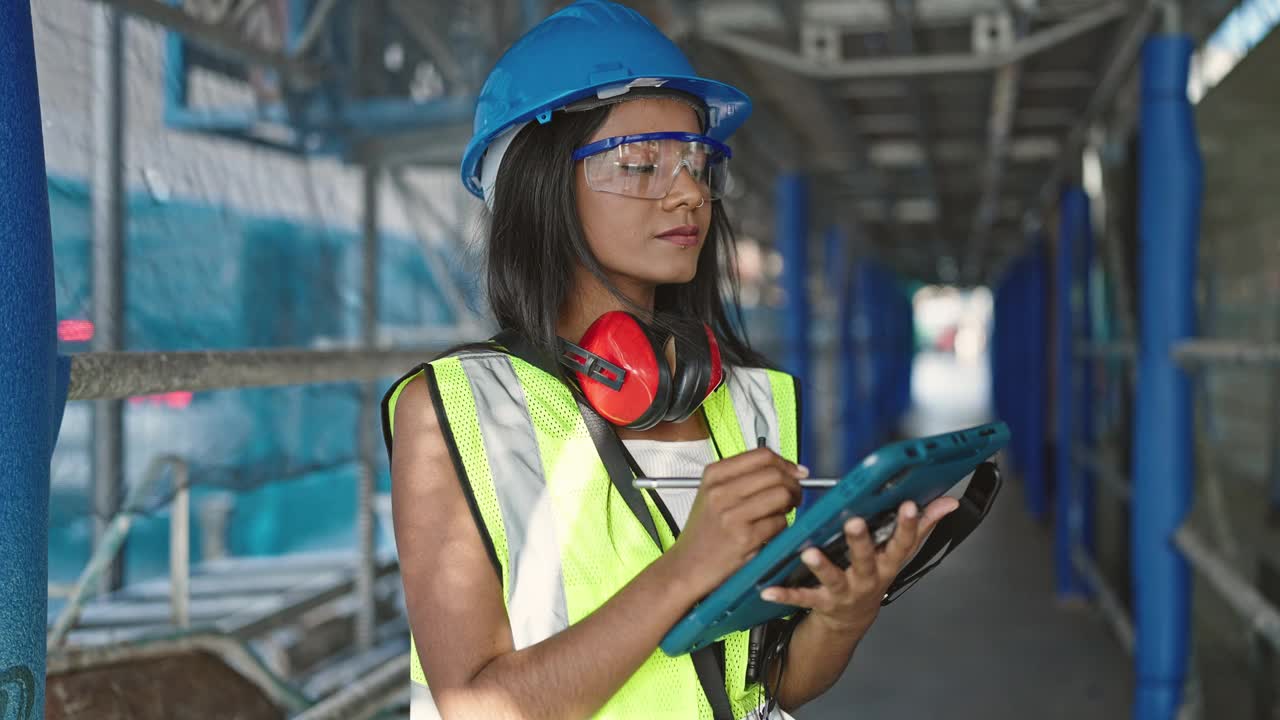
(591, 48)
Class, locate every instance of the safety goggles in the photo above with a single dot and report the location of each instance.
(646, 166)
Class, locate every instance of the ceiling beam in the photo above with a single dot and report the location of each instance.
(1004, 104)
(1120, 66)
(902, 42)
(920, 65)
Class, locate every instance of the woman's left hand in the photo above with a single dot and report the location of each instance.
(847, 601)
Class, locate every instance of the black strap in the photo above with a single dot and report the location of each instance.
(951, 530)
(614, 456)
(707, 662)
(610, 449)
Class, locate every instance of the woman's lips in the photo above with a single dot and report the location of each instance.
(684, 236)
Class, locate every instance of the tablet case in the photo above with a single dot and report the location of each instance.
(921, 469)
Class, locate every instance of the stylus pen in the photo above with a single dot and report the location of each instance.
(647, 483)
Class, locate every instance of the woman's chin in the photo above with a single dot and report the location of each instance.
(677, 276)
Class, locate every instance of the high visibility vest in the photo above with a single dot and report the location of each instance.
(561, 539)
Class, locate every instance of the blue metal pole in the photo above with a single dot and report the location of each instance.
(881, 349)
(849, 371)
(29, 374)
(867, 375)
(1015, 401)
(1169, 190)
(1034, 349)
(1006, 324)
(838, 281)
(904, 332)
(793, 242)
(995, 357)
(1084, 410)
(1066, 498)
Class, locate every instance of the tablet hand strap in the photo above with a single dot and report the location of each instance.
(951, 530)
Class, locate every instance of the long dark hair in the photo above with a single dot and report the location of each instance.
(536, 238)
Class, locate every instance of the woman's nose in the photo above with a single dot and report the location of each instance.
(684, 189)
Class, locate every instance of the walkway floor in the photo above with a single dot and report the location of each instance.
(982, 636)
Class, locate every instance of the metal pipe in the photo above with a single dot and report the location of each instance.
(1170, 188)
(370, 255)
(792, 207)
(435, 252)
(214, 512)
(1121, 63)
(363, 698)
(409, 16)
(180, 546)
(1108, 600)
(1226, 352)
(902, 43)
(1067, 508)
(105, 551)
(118, 375)
(1263, 617)
(1083, 526)
(219, 39)
(1004, 104)
(1032, 356)
(31, 405)
(107, 266)
(899, 67)
(315, 23)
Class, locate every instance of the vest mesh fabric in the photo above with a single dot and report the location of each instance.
(602, 546)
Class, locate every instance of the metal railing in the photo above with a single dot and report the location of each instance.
(1108, 600)
(99, 376)
(1262, 617)
(363, 698)
(125, 374)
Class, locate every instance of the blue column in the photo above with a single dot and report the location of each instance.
(839, 281)
(996, 357)
(1073, 208)
(1083, 526)
(1034, 344)
(849, 370)
(1169, 187)
(865, 416)
(29, 376)
(793, 242)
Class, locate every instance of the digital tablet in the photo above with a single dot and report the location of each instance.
(921, 470)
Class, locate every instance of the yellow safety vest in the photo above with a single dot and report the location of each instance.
(560, 537)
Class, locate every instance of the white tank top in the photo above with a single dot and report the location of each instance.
(673, 458)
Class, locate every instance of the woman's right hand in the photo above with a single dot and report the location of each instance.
(741, 504)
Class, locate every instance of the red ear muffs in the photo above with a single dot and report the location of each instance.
(621, 368)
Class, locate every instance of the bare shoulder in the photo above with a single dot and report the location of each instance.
(442, 554)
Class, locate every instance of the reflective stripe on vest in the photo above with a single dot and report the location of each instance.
(563, 541)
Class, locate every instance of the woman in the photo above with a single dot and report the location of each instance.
(536, 584)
